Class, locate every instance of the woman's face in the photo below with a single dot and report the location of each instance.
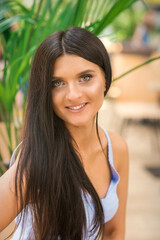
(78, 89)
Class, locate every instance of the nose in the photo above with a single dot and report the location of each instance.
(74, 92)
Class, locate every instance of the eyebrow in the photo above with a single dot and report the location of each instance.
(79, 74)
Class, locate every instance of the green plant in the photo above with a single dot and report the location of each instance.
(125, 24)
(22, 29)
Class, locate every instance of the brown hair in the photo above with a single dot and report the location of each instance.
(55, 177)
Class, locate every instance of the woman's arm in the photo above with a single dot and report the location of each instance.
(115, 228)
(9, 208)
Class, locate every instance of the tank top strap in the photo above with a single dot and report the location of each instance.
(110, 152)
(13, 155)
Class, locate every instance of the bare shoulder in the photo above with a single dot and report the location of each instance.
(117, 141)
(9, 203)
(119, 148)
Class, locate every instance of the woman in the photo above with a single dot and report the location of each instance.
(66, 174)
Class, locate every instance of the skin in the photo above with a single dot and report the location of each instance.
(77, 93)
(9, 204)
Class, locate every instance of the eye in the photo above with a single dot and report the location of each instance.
(86, 77)
(57, 83)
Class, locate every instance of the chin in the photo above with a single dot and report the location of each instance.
(78, 124)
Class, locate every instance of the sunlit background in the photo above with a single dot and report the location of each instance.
(131, 35)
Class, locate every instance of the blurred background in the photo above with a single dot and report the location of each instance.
(130, 30)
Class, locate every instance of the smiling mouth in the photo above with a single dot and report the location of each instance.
(77, 107)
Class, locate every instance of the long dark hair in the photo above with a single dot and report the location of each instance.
(52, 168)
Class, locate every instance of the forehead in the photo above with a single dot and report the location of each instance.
(70, 63)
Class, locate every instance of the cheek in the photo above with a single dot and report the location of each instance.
(99, 96)
(97, 91)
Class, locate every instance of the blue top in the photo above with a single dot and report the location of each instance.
(109, 203)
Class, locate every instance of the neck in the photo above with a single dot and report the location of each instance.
(84, 136)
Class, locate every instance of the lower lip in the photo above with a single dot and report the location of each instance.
(77, 110)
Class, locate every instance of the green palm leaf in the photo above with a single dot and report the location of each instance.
(35, 23)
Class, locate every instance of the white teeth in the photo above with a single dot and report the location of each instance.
(77, 107)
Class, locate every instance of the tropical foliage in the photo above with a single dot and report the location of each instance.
(125, 24)
(23, 27)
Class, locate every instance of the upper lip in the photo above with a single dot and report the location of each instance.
(75, 105)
